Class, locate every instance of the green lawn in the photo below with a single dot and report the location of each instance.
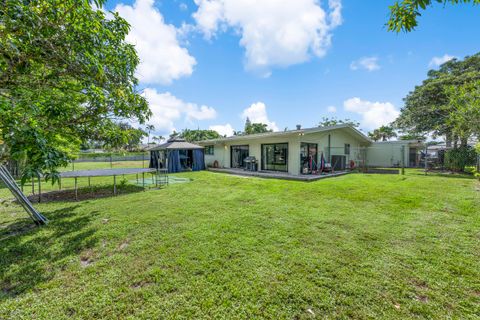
(356, 246)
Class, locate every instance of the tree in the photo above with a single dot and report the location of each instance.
(404, 13)
(429, 108)
(248, 124)
(412, 137)
(464, 117)
(149, 128)
(199, 135)
(66, 76)
(134, 139)
(255, 128)
(328, 122)
(174, 135)
(158, 139)
(383, 133)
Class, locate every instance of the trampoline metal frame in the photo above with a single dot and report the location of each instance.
(106, 173)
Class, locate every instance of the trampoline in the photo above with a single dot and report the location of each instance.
(170, 180)
(112, 173)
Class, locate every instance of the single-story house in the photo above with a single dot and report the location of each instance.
(300, 151)
(177, 155)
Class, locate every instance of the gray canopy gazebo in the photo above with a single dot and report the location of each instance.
(177, 155)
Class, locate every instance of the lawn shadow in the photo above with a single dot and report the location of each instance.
(33, 255)
(444, 174)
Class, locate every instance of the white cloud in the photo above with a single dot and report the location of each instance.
(167, 109)
(183, 6)
(273, 33)
(257, 113)
(366, 63)
(332, 109)
(223, 129)
(437, 61)
(162, 59)
(195, 112)
(374, 114)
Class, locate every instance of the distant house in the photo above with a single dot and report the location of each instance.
(301, 151)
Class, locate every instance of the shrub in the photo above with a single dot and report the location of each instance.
(457, 159)
(476, 174)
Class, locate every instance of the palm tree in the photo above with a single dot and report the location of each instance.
(387, 132)
(158, 139)
(149, 128)
(383, 133)
(374, 135)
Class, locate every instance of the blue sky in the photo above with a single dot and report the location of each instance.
(209, 64)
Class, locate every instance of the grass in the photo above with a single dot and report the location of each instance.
(356, 246)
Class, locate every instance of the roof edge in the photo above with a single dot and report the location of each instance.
(289, 132)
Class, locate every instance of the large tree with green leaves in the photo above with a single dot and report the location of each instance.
(465, 116)
(254, 128)
(328, 122)
(66, 76)
(404, 14)
(199, 135)
(408, 136)
(430, 107)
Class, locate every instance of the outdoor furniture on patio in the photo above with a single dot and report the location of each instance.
(327, 167)
(251, 163)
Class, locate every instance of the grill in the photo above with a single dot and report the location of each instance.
(251, 163)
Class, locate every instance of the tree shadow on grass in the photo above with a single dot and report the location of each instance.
(33, 255)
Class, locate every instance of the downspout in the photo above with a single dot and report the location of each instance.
(224, 164)
(329, 149)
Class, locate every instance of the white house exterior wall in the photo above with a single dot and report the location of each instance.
(338, 139)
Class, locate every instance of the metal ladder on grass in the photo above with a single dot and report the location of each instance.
(8, 180)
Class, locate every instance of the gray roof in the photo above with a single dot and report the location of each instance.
(176, 144)
(348, 127)
(409, 142)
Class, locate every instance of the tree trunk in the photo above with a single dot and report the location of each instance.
(463, 142)
(448, 139)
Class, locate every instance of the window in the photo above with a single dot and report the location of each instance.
(209, 150)
(347, 148)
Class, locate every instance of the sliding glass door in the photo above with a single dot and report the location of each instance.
(275, 157)
(308, 157)
(238, 155)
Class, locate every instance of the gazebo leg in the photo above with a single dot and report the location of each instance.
(115, 185)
